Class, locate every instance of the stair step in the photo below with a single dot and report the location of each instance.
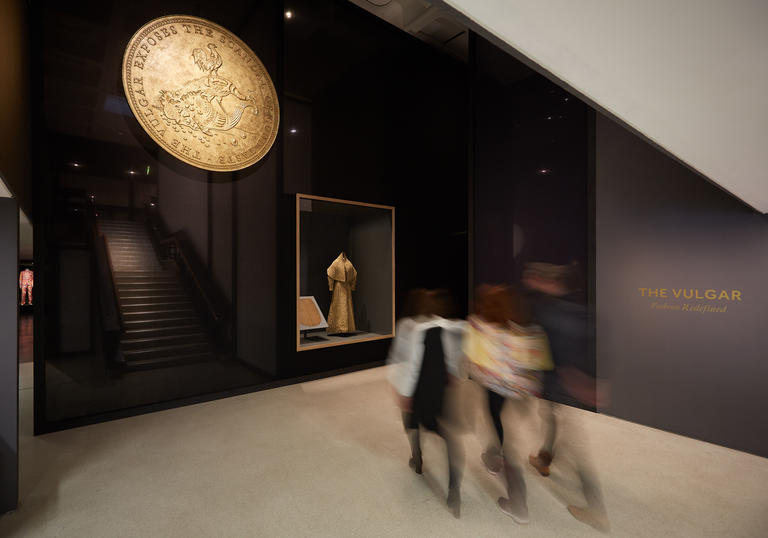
(158, 323)
(132, 239)
(125, 234)
(134, 260)
(151, 259)
(139, 289)
(167, 351)
(153, 331)
(183, 304)
(136, 344)
(149, 287)
(133, 255)
(126, 266)
(125, 237)
(157, 275)
(145, 315)
(159, 362)
(154, 301)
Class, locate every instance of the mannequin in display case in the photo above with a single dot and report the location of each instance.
(342, 280)
(26, 283)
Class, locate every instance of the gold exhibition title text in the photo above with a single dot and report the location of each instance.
(691, 293)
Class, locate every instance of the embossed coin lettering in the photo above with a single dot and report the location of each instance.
(201, 93)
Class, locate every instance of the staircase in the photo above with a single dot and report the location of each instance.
(161, 325)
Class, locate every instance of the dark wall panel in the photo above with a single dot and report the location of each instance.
(373, 239)
(9, 361)
(221, 234)
(256, 265)
(183, 197)
(74, 300)
(695, 372)
(530, 169)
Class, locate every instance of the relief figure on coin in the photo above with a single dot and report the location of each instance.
(199, 106)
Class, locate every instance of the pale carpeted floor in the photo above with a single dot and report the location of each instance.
(329, 458)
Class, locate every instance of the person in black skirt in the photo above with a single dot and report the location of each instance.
(423, 361)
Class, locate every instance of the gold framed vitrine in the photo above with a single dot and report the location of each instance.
(345, 262)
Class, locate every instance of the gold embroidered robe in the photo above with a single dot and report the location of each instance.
(342, 279)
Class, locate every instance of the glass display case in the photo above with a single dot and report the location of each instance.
(345, 272)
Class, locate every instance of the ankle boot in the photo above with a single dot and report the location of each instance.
(541, 462)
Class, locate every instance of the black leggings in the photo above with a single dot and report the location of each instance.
(495, 405)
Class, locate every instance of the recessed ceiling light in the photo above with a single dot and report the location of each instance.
(294, 130)
(289, 14)
(542, 171)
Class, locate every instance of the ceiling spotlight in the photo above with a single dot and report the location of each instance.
(132, 172)
(294, 130)
(75, 165)
(289, 14)
(543, 171)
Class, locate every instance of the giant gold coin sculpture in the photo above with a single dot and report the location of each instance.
(200, 93)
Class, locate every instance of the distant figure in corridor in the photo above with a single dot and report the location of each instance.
(558, 308)
(424, 359)
(506, 354)
(26, 283)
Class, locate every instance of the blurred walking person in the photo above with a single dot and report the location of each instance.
(507, 355)
(423, 360)
(558, 308)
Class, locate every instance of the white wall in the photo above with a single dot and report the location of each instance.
(690, 75)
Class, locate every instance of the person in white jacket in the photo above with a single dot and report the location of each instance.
(425, 356)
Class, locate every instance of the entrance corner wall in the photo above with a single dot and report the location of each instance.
(9, 357)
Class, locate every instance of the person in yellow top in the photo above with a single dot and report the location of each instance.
(506, 354)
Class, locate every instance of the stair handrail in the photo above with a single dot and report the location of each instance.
(111, 317)
(176, 246)
(178, 240)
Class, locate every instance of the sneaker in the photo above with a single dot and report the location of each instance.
(454, 502)
(594, 519)
(540, 464)
(415, 464)
(517, 511)
(493, 461)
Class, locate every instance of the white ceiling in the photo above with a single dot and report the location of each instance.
(4, 192)
(690, 75)
(420, 18)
